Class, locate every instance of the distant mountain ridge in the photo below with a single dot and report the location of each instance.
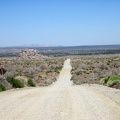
(60, 46)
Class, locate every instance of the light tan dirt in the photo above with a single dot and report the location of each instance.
(60, 101)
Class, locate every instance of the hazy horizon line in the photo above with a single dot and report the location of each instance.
(35, 45)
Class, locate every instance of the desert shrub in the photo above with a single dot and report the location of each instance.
(111, 80)
(103, 66)
(115, 71)
(15, 83)
(73, 69)
(57, 69)
(9, 78)
(115, 77)
(2, 87)
(76, 80)
(112, 83)
(31, 83)
(54, 79)
(43, 66)
(104, 80)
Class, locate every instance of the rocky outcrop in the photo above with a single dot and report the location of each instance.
(29, 54)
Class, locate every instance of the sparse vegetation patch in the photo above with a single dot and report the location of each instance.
(31, 72)
(2, 87)
(111, 80)
(15, 83)
(102, 69)
(31, 83)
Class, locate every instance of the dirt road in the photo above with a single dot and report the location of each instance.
(61, 101)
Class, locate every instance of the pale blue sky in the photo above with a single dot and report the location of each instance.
(59, 22)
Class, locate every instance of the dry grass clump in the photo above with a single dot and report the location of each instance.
(91, 69)
(42, 72)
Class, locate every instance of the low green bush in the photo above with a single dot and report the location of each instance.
(104, 80)
(15, 83)
(112, 83)
(31, 83)
(111, 80)
(115, 77)
(2, 87)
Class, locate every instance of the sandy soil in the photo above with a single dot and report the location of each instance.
(61, 101)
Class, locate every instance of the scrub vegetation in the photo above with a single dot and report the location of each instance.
(21, 73)
(99, 69)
